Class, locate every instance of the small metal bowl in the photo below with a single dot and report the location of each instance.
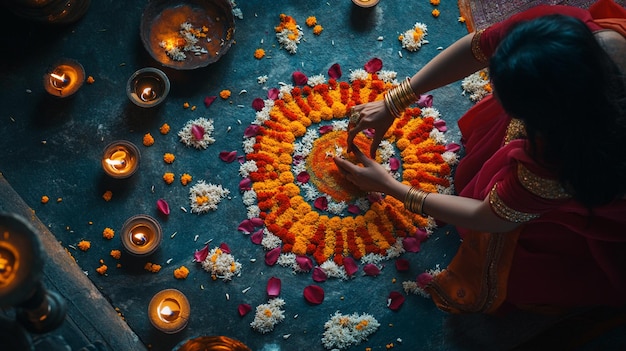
(161, 25)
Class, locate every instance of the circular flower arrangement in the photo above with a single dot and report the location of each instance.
(293, 189)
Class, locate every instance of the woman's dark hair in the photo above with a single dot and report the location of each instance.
(552, 74)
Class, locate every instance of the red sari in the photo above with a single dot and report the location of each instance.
(563, 256)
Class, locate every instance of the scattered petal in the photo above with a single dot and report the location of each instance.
(350, 265)
(303, 177)
(200, 255)
(257, 222)
(251, 130)
(243, 309)
(371, 269)
(299, 78)
(228, 156)
(402, 265)
(374, 197)
(224, 247)
(258, 104)
(257, 237)
(425, 100)
(394, 164)
(197, 132)
(453, 147)
(440, 124)
(325, 129)
(273, 93)
(245, 184)
(411, 244)
(334, 71)
(271, 257)
(321, 203)
(395, 300)
(209, 100)
(421, 235)
(304, 262)
(374, 65)
(273, 287)
(246, 226)
(423, 279)
(319, 275)
(369, 132)
(314, 294)
(354, 209)
(163, 206)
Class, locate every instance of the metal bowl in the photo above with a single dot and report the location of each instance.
(161, 31)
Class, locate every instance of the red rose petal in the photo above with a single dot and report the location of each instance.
(251, 130)
(440, 124)
(245, 184)
(334, 71)
(354, 209)
(370, 269)
(314, 294)
(319, 275)
(411, 244)
(209, 100)
(395, 300)
(197, 132)
(374, 65)
(200, 255)
(271, 257)
(256, 221)
(350, 265)
(243, 309)
(423, 279)
(421, 235)
(228, 156)
(370, 133)
(163, 207)
(303, 177)
(246, 226)
(321, 203)
(394, 164)
(299, 78)
(257, 237)
(453, 147)
(273, 287)
(258, 104)
(425, 101)
(402, 265)
(273, 93)
(304, 262)
(325, 129)
(224, 247)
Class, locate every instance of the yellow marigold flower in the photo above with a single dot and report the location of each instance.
(148, 140)
(102, 269)
(461, 19)
(181, 273)
(168, 177)
(259, 54)
(107, 195)
(434, 2)
(311, 21)
(84, 245)
(45, 199)
(317, 30)
(185, 179)
(108, 233)
(168, 157)
(116, 254)
(165, 128)
(225, 94)
(90, 80)
(435, 13)
(152, 267)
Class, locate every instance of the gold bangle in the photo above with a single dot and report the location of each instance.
(414, 200)
(390, 105)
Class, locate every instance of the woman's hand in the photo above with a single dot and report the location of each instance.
(370, 177)
(373, 115)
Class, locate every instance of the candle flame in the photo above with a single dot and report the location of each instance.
(58, 81)
(147, 94)
(139, 239)
(166, 311)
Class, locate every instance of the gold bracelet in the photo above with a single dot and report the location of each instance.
(390, 105)
(414, 200)
(400, 97)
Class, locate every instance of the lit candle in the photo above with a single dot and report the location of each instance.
(148, 87)
(141, 235)
(365, 3)
(120, 159)
(64, 78)
(168, 311)
(218, 342)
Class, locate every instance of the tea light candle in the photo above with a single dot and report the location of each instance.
(120, 159)
(217, 342)
(64, 78)
(141, 235)
(168, 311)
(365, 3)
(148, 87)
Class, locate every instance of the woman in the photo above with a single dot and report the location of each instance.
(541, 202)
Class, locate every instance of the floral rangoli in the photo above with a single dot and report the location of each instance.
(295, 193)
